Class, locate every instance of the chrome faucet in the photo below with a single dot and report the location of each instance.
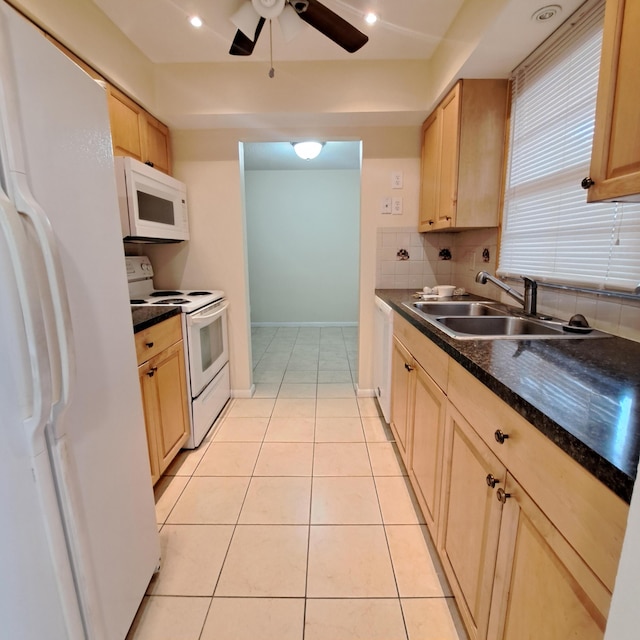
(528, 301)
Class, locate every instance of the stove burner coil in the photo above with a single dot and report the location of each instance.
(199, 293)
(158, 294)
(135, 301)
(172, 301)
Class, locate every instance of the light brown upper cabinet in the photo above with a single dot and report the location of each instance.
(615, 159)
(463, 144)
(136, 133)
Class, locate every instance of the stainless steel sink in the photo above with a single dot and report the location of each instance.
(463, 308)
(499, 326)
(486, 320)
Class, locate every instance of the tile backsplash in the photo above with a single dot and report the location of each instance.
(436, 258)
(473, 251)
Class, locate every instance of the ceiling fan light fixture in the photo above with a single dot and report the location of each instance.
(308, 150)
(290, 23)
(268, 8)
(246, 20)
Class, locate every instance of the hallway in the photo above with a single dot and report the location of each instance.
(294, 519)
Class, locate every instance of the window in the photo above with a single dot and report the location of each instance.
(549, 231)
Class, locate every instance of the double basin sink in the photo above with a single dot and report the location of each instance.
(487, 320)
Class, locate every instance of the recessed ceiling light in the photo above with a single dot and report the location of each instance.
(371, 18)
(195, 21)
(546, 13)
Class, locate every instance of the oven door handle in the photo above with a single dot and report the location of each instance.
(197, 318)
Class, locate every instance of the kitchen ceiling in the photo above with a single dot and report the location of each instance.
(407, 29)
(414, 54)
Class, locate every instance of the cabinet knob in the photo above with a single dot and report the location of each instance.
(149, 345)
(430, 222)
(149, 163)
(502, 496)
(152, 371)
(500, 436)
(492, 481)
(408, 367)
(587, 183)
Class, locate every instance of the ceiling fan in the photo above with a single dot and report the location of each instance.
(252, 15)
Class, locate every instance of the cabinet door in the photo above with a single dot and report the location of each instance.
(449, 158)
(158, 151)
(543, 588)
(615, 161)
(173, 409)
(127, 123)
(136, 133)
(430, 177)
(470, 521)
(401, 391)
(150, 406)
(429, 410)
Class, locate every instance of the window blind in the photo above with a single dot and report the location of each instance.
(549, 231)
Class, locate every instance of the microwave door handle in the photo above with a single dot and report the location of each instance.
(197, 317)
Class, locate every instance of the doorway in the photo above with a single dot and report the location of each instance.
(303, 230)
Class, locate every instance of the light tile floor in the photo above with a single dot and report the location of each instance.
(294, 520)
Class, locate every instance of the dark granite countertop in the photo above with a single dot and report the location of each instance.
(145, 317)
(584, 395)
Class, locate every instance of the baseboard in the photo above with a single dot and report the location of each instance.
(365, 393)
(243, 393)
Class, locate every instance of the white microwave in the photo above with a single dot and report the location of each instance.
(153, 205)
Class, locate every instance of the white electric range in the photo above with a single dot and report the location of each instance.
(204, 330)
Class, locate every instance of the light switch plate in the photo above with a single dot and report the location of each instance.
(385, 204)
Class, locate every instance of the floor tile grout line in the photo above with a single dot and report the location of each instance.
(235, 526)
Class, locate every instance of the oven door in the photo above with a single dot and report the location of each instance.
(207, 344)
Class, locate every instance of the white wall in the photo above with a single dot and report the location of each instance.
(215, 256)
(302, 236)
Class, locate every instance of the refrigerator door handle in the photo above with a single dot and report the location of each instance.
(62, 367)
(36, 399)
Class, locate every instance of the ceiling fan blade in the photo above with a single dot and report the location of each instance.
(330, 24)
(242, 45)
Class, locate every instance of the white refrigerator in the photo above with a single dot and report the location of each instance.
(78, 538)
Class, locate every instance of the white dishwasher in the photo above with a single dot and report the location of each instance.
(382, 345)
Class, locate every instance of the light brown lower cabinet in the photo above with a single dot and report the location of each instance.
(402, 366)
(470, 520)
(542, 587)
(529, 540)
(163, 385)
(425, 470)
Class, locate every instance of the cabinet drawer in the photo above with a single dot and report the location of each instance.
(588, 514)
(431, 357)
(151, 341)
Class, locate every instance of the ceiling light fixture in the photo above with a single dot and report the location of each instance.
(371, 18)
(546, 13)
(195, 21)
(307, 150)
